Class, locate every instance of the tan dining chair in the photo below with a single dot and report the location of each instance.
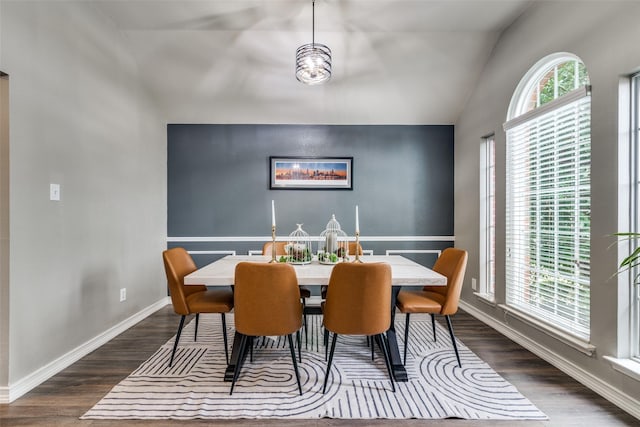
(442, 300)
(352, 251)
(193, 299)
(304, 291)
(280, 250)
(267, 303)
(359, 303)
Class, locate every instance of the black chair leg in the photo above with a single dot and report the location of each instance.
(372, 349)
(326, 375)
(299, 345)
(326, 343)
(195, 334)
(433, 326)
(453, 339)
(295, 365)
(224, 337)
(304, 320)
(175, 345)
(251, 349)
(236, 371)
(406, 338)
(383, 346)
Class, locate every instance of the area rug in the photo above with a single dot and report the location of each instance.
(359, 388)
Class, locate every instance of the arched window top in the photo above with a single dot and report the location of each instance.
(550, 78)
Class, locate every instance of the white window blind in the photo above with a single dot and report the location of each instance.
(548, 212)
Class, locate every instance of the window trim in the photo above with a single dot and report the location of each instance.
(487, 211)
(629, 367)
(626, 359)
(559, 334)
(634, 288)
(531, 78)
(566, 99)
(519, 115)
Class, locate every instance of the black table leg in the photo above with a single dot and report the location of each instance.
(399, 372)
(234, 359)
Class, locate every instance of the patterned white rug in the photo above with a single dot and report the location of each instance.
(358, 388)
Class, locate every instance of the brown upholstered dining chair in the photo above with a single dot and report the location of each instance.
(443, 300)
(280, 250)
(304, 291)
(359, 303)
(193, 299)
(352, 251)
(267, 303)
(352, 248)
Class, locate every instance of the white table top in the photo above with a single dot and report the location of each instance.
(404, 272)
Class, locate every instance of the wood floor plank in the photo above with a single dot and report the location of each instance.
(61, 400)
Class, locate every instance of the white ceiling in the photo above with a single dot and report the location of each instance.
(394, 61)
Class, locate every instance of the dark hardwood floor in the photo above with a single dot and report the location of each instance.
(61, 400)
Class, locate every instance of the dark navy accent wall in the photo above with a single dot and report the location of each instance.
(218, 180)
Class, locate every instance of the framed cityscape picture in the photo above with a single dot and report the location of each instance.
(311, 173)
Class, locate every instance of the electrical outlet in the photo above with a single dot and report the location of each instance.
(123, 294)
(474, 284)
(54, 192)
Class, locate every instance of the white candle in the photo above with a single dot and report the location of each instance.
(273, 214)
(332, 244)
(357, 221)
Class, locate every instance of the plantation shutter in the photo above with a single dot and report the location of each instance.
(548, 211)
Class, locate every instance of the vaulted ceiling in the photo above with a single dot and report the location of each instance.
(394, 61)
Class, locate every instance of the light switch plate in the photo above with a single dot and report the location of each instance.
(54, 191)
(474, 284)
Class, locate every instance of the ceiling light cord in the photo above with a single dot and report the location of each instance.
(313, 23)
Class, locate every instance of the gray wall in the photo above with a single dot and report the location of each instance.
(80, 118)
(218, 181)
(604, 35)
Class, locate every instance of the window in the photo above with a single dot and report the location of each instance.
(488, 218)
(635, 209)
(548, 196)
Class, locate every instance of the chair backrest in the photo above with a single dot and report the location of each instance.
(266, 248)
(177, 264)
(451, 263)
(359, 299)
(266, 299)
(352, 248)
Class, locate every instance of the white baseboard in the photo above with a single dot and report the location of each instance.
(612, 394)
(26, 384)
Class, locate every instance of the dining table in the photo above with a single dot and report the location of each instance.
(404, 272)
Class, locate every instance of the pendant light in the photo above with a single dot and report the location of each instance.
(313, 60)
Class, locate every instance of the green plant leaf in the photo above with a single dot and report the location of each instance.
(631, 260)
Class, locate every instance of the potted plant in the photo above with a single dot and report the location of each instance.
(633, 259)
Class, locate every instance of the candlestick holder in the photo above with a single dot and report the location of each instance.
(357, 246)
(273, 244)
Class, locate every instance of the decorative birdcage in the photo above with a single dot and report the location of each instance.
(333, 246)
(299, 250)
